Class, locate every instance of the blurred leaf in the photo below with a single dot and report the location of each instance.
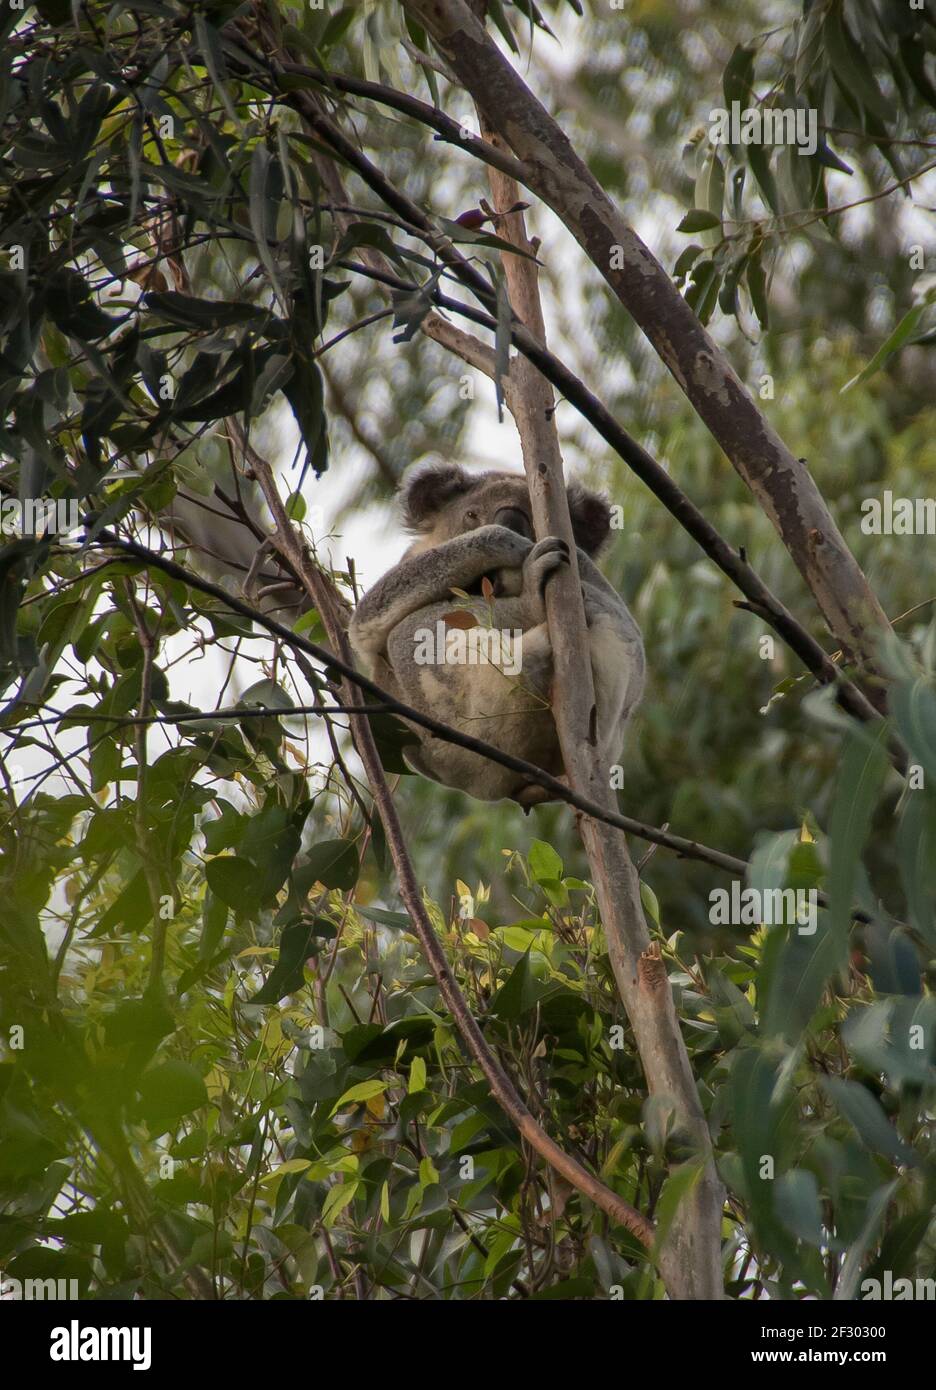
(333, 863)
(297, 943)
(859, 1107)
(902, 334)
(699, 220)
(233, 880)
(168, 1091)
(861, 775)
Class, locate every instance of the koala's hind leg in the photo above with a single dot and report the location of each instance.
(510, 711)
(617, 661)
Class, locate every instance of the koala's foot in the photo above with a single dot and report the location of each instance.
(532, 795)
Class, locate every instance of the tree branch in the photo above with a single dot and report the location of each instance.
(690, 1257)
(447, 129)
(781, 483)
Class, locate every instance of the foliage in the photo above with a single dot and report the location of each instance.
(227, 1071)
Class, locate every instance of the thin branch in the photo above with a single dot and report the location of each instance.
(447, 129)
(690, 1255)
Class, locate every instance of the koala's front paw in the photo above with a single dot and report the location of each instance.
(504, 548)
(543, 560)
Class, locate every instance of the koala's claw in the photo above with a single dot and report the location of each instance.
(544, 559)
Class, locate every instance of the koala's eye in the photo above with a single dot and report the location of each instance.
(471, 516)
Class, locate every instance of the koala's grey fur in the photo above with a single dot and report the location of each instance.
(468, 527)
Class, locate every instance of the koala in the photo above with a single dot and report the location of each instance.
(473, 535)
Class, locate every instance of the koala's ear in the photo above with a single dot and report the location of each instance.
(591, 518)
(428, 491)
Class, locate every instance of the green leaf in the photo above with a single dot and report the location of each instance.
(224, 831)
(902, 334)
(851, 67)
(72, 308)
(680, 1183)
(517, 938)
(699, 220)
(475, 237)
(297, 943)
(209, 41)
(798, 1206)
(339, 1197)
(362, 1091)
(266, 694)
(545, 863)
(738, 76)
(649, 901)
(105, 763)
(337, 27)
(265, 196)
(366, 234)
(143, 1022)
(913, 703)
(519, 994)
(859, 1107)
(372, 1043)
(204, 314)
(710, 190)
(496, 11)
(565, 1289)
(292, 1165)
(305, 393)
(331, 862)
(685, 261)
(272, 841)
(392, 736)
(756, 278)
(399, 920)
(234, 881)
(169, 1091)
(702, 292)
(916, 855)
(861, 774)
(758, 157)
(876, 1209)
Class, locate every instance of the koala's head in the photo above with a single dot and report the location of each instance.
(445, 501)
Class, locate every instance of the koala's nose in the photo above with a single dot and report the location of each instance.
(515, 520)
